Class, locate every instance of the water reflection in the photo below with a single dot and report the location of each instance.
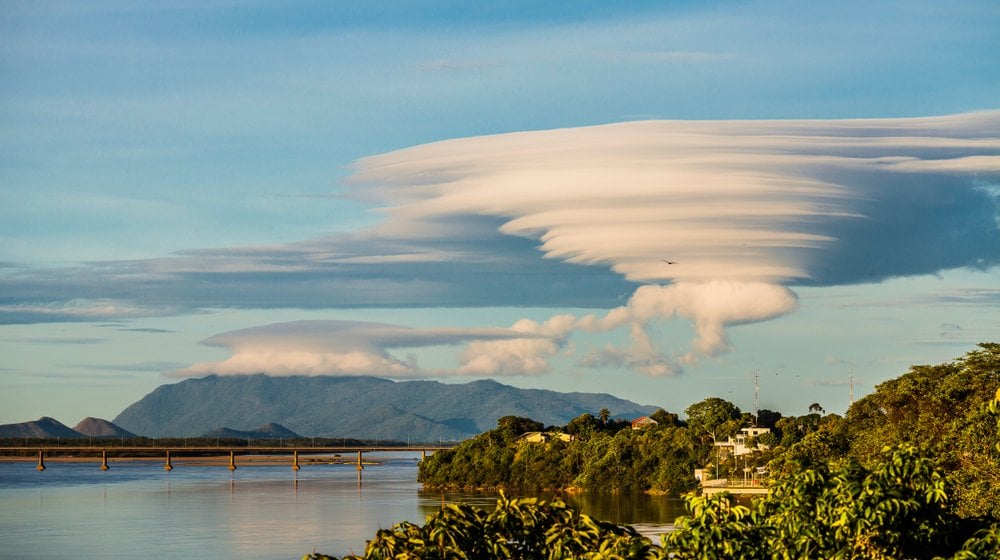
(616, 508)
(196, 512)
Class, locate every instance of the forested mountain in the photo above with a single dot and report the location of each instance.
(355, 407)
(271, 430)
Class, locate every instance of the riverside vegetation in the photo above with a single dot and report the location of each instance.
(912, 471)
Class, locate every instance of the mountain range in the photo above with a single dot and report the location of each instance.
(51, 428)
(353, 407)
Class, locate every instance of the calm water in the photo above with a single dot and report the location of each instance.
(76, 510)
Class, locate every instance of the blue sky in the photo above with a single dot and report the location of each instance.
(454, 191)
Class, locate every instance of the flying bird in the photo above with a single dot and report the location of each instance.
(668, 262)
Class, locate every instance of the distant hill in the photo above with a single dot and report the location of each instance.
(354, 407)
(44, 427)
(270, 430)
(99, 428)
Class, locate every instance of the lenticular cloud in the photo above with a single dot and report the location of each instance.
(781, 202)
(727, 214)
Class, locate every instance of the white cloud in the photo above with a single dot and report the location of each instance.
(640, 356)
(764, 201)
(730, 212)
(518, 356)
(710, 306)
(79, 310)
(347, 348)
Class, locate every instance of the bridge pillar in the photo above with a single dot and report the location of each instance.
(41, 460)
(104, 460)
(423, 454)
(295, 460)
(360, 466)
(232, 460)
(167, 466)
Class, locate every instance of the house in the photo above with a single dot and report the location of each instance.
(737, 445)
(643, 422)
(543, 437)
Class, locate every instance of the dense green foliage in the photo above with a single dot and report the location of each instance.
(935, 409)
(523, 528)
(601, 456)
(939, 410)
(900, 508)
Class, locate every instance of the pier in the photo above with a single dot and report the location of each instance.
(295, 457)
(737, 487)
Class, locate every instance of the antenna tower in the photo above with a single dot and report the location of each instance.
(852, 383)
(756, 397)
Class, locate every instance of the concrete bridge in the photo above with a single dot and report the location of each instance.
(245, 455)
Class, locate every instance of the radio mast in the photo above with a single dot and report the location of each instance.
(756, 397)
(852, 383)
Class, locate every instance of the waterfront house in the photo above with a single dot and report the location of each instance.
(743, 442)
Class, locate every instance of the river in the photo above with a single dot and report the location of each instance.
(75, 510)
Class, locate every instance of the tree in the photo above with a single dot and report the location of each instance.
(664, 418)
(767, 418)
(604, 414)
(517, 425)
(938, 408)
(816, 408)
(582, 426)
(707, 416)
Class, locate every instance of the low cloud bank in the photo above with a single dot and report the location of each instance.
(526, 348)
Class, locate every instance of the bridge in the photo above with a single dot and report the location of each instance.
(244, 455)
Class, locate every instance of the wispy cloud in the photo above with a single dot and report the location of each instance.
(149, 366)
(971, 296)
(64, 340)
(77, 310)
(455, 66)
(667, 56)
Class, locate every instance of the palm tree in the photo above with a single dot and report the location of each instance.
(604, 414)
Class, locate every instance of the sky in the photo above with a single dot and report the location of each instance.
(663, 201)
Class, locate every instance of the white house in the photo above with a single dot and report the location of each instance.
(544, 437)
(737, 445)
